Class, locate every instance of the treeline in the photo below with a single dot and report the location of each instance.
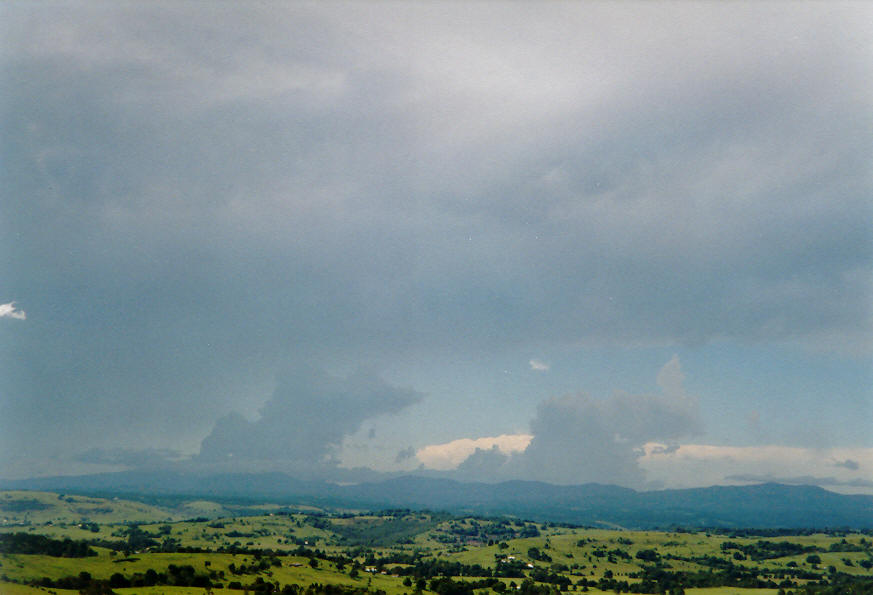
(23, 505)
(736, 533)
(657, 580)
(766, 550)
(430, 568)
(186, 576)
(26, 543)
(176, 576)
(447, 586)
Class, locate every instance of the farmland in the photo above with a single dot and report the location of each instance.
(70, 543)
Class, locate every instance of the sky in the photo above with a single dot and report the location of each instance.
(621, 243)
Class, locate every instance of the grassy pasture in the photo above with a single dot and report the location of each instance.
(17, 507)
(380, 547)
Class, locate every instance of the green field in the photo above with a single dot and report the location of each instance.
(201, 546)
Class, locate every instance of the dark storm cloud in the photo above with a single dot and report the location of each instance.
(304, 422)
(195, 194)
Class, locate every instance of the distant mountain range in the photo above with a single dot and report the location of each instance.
(759, 506)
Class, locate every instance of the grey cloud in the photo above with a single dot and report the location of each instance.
(130, 457)
(579, 439)
(305, 420)
(186, 209)
(294, 175)
(405, 454)
(484, 465)
(848, 464)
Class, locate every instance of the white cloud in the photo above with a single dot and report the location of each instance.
(9, 311)
(539, 365)
(451, 454)
(694, 465)
(670, 377)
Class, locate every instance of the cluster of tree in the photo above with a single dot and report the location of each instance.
(529, 587)
(510, 569)
(653, 579)
(844, 546)
(137, 540)
(489, 532)
(778, 532)
(612, 555)
(648, 555)
(318, 521)
(447, 586)
(766, 550)
(176, 576)
(839, 584)
(84, 583)
(392, 557)
(25, 543)
(383, 531)
(535, 554)
(259, 565)
(22, 505)
(542, 575)
(262, 586)
(432, 568)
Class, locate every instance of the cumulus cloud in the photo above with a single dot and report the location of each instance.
(539, 365)
(579, 439)
(303, 424)
(484, 465)
(450, 454)
(10, 311)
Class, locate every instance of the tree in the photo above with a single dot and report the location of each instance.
(648, 555)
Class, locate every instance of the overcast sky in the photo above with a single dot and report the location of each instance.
(619, 242)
